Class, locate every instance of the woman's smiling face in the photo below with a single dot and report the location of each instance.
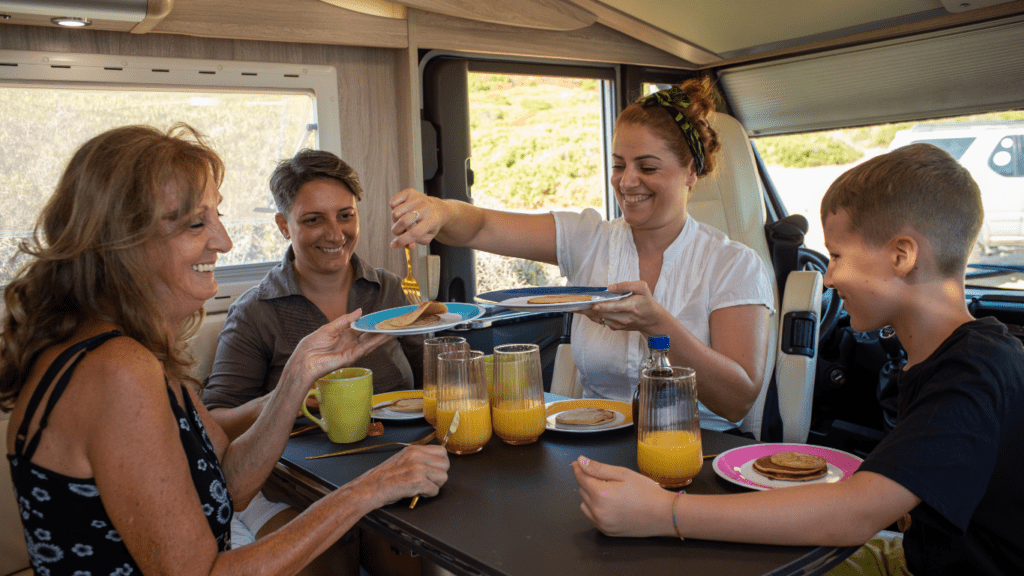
(650, 185)
(323, 226)
(184, 253)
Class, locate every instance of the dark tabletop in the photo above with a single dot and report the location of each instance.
(515, 510)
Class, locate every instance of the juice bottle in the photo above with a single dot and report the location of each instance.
(657, 357)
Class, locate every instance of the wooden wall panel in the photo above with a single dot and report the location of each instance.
(372, 122)
(291, 21)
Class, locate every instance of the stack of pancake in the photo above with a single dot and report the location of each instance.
(792, 466)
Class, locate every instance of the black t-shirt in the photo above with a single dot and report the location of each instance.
(957, 446)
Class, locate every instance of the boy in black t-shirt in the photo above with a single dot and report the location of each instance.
(899, 229)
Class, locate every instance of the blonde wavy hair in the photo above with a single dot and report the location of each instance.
(85, 258)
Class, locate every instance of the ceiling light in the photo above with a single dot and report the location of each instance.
(71, 22)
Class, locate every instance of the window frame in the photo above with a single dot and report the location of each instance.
(104, 71)
(458, 264)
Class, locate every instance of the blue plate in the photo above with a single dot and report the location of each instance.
(518, 298)
(457, 314)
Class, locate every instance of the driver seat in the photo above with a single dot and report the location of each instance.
(732, 200)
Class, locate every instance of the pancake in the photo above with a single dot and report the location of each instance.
(585, 416)
(798, 460)
(405, 405)
(560, 299)
(424, 315)
(791, 466)
(424, 320)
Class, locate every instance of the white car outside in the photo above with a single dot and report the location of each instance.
(994, 153)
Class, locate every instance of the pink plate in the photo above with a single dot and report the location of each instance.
(736, 465)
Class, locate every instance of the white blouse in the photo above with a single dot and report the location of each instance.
(702, 271)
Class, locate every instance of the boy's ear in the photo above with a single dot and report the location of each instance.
(905, 252)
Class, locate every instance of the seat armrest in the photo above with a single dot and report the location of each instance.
(794, 365)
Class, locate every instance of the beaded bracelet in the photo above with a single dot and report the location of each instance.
(674, 524)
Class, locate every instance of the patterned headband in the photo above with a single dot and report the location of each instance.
(672, 100)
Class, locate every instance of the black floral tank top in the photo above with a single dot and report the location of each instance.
(66, 527)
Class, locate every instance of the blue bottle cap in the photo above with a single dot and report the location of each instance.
(657, 342)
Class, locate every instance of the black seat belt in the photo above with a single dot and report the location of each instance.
(785, 237)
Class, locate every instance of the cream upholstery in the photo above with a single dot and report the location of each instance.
(732, 200)
(204, 344)
(13, 555)
(803, 292)
(564, 378)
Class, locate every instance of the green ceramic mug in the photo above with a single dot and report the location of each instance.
(346, 398)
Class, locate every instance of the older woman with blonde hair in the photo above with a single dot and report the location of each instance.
(117, 465)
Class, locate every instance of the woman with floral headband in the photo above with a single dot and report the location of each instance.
(712, 296)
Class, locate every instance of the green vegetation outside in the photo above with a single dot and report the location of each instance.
(839, 147)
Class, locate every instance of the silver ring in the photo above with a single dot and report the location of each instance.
(417, 217)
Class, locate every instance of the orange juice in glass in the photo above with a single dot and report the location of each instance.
(518, 423)
(462, 387)
(670, 457)
(474, 426)
(668, 432)
(518, 399)
(430, 405)
(432, 348)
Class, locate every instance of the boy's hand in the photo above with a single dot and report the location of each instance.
(621, 502)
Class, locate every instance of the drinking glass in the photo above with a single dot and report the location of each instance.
(432, 348)
(518, 401)
(462, 387)
(668, 440)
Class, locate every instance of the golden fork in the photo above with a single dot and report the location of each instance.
(409, 284)
(419, 442)
(447, 436)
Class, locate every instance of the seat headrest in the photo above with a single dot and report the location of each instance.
(731, 198)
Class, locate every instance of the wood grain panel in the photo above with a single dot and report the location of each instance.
(309, 21)
(371, 122)
(595, 43)
(541, 14)
(156, 11)
(646, 33)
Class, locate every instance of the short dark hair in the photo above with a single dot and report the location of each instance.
(919, 185)
(307, 166)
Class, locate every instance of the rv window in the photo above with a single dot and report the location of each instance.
(43, 126)
(254, 115)
(537, 145)
(802, 166)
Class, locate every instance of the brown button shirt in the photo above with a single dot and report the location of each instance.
(266, 323)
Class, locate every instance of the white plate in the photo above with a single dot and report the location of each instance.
(623, 415)
(386, 398)
(737, 465)
(458, 313)
(518, 298)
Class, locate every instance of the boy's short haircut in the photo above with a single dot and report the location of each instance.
(921, 186)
